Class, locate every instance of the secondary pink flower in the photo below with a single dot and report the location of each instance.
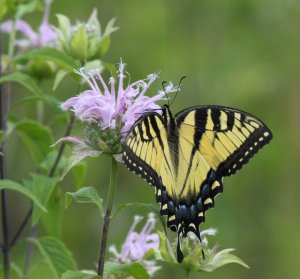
(43, 37)
(137, 245)
(114, 106)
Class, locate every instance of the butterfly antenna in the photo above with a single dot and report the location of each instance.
(164, 89)
(178, 88)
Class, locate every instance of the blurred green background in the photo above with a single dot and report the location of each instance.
(238, 53)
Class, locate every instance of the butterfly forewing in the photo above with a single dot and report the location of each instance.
(227, 138)
(147, 153)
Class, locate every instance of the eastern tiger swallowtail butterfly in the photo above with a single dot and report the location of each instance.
(186, 157)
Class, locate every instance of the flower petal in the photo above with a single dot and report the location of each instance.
(21, 26)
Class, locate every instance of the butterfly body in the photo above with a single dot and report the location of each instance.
(185, 158)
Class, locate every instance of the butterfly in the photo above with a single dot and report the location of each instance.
(186, 157)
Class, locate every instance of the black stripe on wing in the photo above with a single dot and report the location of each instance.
(250, 131)
(140, 134)
(259, 138)
(139, 167)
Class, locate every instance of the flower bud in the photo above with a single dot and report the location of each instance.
(40, 68)
(84, 40)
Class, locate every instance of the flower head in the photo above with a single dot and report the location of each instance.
(137, 245)
(113, 106)
(45, 35)
(109, 109)
(192, 249)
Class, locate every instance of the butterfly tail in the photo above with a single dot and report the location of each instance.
(179, 252)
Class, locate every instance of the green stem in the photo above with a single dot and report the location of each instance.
(12, 37)
(29, 252)
(3, 175)
(187, 273)
(40, 111)
(106, 219)
(4, 101)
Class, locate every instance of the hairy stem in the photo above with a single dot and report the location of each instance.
(22, 226)
(106, 219)
(3, 159)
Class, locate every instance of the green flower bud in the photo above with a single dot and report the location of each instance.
(40, 68)
(84, 40)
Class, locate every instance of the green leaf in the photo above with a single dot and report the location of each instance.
(105, 40)
(51, 54)
(110, 28)
(103, 46)
(11, 185)
(64, 24)
(42, 187)
(137, 270)
(3, 9)
(53, 220)
(94, 21)
(151, 207)
(48, 99)
(85, 195)
(79, 171)
(11, 6)
(58, 78)
(79, 275)
(192, 260)
(79, 44)
(81, 149)
(24, 80)
(56, 254)
(26, 100)
(23, 9)
(36, 137)
(17, 269)
(47, 164)
(223, 257)
(165, 251)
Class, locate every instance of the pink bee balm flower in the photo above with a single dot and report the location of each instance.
(45, 35)
(137, 245)
(114, 106)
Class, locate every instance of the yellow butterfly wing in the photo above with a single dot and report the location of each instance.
(147, 153)
(214, 142)
(187, 160)
(227, 138)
